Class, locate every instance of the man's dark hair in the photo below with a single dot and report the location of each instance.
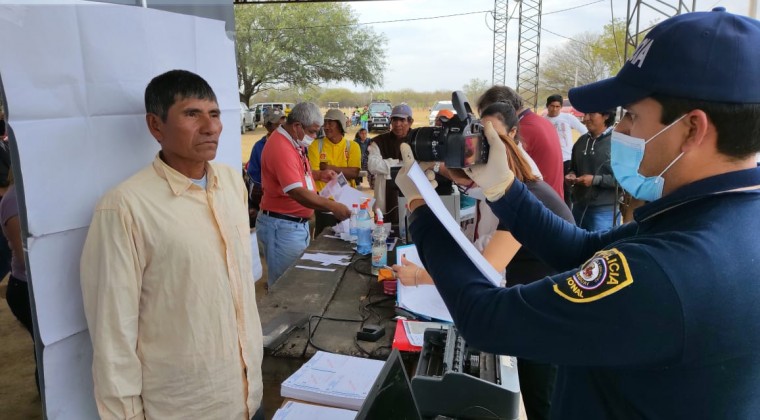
(499, 93)
(609, 118)
(554, 98)
(166, 89)
(737, 125)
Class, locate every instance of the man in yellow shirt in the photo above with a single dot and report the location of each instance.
(166, 274)
(334, 152)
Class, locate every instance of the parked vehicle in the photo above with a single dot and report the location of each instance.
(379, 115)
(246, 118)
(332, 105)
(260, 110)
(437, 107)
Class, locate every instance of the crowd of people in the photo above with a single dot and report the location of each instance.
(654, 318)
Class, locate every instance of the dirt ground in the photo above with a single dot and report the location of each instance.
(18, 393)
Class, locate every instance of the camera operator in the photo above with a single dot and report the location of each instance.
(660, 321)
(536, 379)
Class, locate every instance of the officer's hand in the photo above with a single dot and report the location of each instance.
(405, 183)
(494, 177)
(570, 179)
(411, 274)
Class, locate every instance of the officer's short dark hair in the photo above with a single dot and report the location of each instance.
(554, 98)
(737, 125)
(499, 93)
(174, 85)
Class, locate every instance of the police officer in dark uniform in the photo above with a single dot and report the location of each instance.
(657, 318)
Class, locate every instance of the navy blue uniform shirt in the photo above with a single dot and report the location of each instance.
(659, 318)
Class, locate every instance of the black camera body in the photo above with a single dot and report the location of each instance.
(458, 143)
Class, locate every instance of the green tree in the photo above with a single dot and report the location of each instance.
(304, 45)
(473, 89)
(587, 58)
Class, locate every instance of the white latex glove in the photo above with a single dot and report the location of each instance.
(404, 183)
(391, 162)
(494, 176)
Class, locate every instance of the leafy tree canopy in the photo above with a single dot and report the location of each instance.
(303, 45)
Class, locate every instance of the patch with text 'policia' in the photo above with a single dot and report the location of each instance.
(604, 274)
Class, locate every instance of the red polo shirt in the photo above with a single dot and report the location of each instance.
(284, 166)
(541, 141)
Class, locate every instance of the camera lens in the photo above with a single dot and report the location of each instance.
(428, 144)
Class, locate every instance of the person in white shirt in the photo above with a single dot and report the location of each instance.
(564, 123)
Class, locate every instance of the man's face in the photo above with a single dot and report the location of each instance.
(644, 123)
(363, 134)
(400, 126)
(332, 131)
(191, 131)
(308, 130)
(594, 121)
(553, 108)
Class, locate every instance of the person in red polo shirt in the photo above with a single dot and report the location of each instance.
(290, 197)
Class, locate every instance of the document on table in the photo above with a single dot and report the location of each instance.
(293, 410)
(333, 379)
(423, 299)
(327, 259)
(439, 209)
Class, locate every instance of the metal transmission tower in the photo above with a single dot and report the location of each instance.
(528, 51)
(500, 18)
(658, 9)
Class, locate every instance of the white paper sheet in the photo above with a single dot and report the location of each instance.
(306, 267)
(293, 410)
(439, 209)
(423, 299)
(327, 259)
(68, 379)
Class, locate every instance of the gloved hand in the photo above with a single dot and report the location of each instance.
(404, 183)
(494, 176)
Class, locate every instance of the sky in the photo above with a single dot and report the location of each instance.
(446, 53)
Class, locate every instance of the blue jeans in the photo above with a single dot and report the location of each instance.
(283, 242)
(365, 124)
(597, 218)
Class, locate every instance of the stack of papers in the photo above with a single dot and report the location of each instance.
(333, 379)
(293, 410)
(423, 300)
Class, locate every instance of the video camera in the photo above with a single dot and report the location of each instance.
(458, 143)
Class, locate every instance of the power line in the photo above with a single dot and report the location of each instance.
(372, 23)
(417, 19)
(571, 8)
(566, 37)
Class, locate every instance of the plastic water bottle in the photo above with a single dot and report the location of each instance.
(379, 248)
(353, 231)
(363, 231)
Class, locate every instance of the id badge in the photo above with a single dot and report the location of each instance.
(309, 183)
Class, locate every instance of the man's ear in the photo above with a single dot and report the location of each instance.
(155, 125)
(698, 130)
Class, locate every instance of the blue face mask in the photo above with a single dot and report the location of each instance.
(626, 155)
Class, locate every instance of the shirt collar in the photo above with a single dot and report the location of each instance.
(522, 114)
(178, 182)
(287, 136)
(743, 181)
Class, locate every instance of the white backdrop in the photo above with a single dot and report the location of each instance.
(74, 77)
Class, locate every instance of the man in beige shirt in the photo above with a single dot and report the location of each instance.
(166, 274)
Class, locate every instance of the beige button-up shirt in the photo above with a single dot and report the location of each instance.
(169, 298)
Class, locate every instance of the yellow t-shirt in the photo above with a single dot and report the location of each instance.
(323, 150)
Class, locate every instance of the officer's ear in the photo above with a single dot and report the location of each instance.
(699, 131)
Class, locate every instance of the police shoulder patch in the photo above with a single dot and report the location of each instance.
(604, 274)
